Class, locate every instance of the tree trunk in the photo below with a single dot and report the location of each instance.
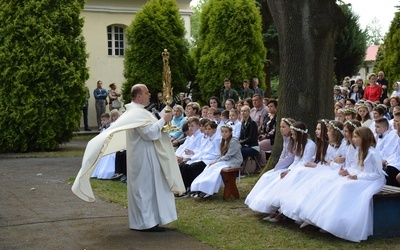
(307, 31)
(267, 71)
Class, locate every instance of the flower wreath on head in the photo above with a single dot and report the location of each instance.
(350, 123)
(299, 130)
(350, 111)
(325, 122)
(362, 106)
(227, 126)
(287, 121)
(335, 127)
(382, 106)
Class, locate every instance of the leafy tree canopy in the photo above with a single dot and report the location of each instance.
(195, 21)
(374, 32)
(350, 47)
(43, 71)
(156, 27)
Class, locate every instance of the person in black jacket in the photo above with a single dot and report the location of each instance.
(248, 134)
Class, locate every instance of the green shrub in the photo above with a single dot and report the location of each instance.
(43, 71)
(229, 45)
(156, 27)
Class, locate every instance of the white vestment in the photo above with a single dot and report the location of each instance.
(151, 166)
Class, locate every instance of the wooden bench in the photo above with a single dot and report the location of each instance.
(387, 213)
(229, 178)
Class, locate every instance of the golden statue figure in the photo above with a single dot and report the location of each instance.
(167, 91)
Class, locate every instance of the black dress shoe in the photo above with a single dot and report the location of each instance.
(116, 177)
(154, 229)
(86, 129)
(123, 179)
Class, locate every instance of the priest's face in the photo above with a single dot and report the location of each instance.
(145, 96)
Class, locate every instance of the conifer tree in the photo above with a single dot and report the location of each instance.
(350, 47)
(391, 52)
(229, 45)
(43, 71)
(156, 27)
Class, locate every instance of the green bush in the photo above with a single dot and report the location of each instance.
(389, 53)
(229, 45)
(43, 71)
(156, 27)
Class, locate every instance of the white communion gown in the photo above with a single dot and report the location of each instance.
(105, 169)
(270, 186)
(344, 207)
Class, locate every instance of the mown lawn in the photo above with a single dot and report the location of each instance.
(231, 225)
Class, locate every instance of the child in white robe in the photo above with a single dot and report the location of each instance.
(344, 207)
(210, 180)
(304, 150)
(285, 160)
(392, 163)
(329, 136)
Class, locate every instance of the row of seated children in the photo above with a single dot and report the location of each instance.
(366, 113)
(201, 148)
(194, 155)
(329, 183)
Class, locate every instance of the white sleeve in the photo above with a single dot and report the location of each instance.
(151, 132)
(372, 166)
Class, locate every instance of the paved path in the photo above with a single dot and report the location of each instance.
(39, 211)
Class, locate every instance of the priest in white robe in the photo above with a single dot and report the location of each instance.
(152, 171)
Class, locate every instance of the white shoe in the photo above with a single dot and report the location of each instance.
(272, 215)
(207, 195)
(278, 218)
(304, 224)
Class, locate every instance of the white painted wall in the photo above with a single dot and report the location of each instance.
(98, 14)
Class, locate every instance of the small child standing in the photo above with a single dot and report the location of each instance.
(235, 123)
(105, 121)
(105, 168)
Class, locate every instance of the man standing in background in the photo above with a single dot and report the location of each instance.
(85, 110)
(100, 95)
(228, 93)
(384, 85)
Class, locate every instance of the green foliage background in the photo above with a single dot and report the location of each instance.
(390, 61)
(350, 47)
(229, 45)
(43, 71)
(156, 27)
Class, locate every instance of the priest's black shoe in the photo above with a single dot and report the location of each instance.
(153, 229)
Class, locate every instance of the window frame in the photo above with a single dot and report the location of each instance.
(116, 40)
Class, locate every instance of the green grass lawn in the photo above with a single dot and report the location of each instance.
(224, 224)
(75, 148)
(232, 225)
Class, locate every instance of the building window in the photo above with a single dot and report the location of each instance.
(115, 40)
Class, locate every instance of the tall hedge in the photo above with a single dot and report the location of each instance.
(156, 27)
(229, 45)
(43, 71)
(391, 52)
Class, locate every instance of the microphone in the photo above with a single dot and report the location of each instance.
(150, 107)
(156, 113)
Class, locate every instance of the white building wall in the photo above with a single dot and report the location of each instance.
(98, 14)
